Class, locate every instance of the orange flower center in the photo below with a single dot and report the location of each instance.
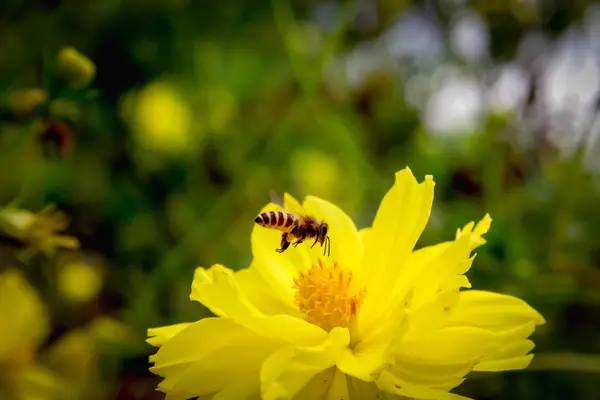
(327, 296)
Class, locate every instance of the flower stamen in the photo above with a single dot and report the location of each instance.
(327, 295)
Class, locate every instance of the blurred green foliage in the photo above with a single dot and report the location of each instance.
(198, 109)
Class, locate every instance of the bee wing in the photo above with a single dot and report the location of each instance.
(289, 204)
(276, 199)
(294, 206)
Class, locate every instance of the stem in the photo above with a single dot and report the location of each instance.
(566, 362)
(333, 41)
(286, 25)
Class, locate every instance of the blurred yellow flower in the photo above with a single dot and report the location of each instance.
(159, 118)
(74, 355)
(79, 282)
(76, 68)
(74, 359)
(37, 383)
(376, 319)
(26, 101)
(325, 182)
(25, 321)
(25, 324)
(110, 330)
(39, 231)
(67, 370)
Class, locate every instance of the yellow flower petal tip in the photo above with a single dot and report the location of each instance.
(158, 336)
(476, 231)
(377, 316)
(407, 173)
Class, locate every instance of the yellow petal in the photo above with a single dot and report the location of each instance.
(241, 389)
(278, 269)
(452, 344)
(360, 364)
(399, 222)
(346, 247)
(440, 267)
(362, 235)
(512, 354)
(434, 271)
(431, 373)
(318, 386)
(184, 348)
(476, 234)
(364, 390)
(339, 387)
(289, 369)
(204, 358)
(261, 294)
(433, 315)
(276, 384)
(368, 356)
(159, 336)
(373, 351)
(506, 364)
(492, 311)
(393, 384)
(218, 290)
(427, 288)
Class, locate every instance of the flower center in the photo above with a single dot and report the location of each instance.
(327, 296)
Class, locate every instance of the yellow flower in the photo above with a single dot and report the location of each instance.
(326, 181)
(79, 282)
(39, 231)
(76, 68)
(375, 319)
(26, 101)
(24, 319)
(74, 359)
(160, 118)
(25, 324)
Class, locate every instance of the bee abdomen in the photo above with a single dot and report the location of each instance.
(262, 219)
(290, 220)
(275, 219)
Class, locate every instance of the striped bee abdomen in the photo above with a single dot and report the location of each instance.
(276, 220)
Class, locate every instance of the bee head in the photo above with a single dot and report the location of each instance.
(323, 231)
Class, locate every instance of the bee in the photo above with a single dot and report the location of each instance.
(295, 225)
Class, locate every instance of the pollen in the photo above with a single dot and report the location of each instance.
(328, 296)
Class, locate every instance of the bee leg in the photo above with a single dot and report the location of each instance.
(316, 241)
(301, 238)
(284, 243)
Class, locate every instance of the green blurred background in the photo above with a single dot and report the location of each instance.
(163, 128)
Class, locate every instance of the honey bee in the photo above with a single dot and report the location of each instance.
(295, 224)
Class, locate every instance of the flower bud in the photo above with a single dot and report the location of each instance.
(76, 68)
(25, 101)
